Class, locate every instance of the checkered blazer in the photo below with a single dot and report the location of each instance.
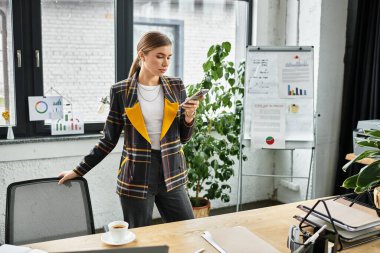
(125, 113)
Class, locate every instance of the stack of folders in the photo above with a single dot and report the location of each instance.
(355, 224)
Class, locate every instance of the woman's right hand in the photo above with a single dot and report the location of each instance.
(67, 175)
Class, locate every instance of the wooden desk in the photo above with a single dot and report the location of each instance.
(271, 224)
(366, 161)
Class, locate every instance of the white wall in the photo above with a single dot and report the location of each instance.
(307, 33)
(329, 93)
(322, 25)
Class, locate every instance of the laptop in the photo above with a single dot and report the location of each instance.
(150, 249)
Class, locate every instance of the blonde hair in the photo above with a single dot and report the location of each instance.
(147, 43)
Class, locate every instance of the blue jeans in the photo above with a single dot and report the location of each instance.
(173, 205)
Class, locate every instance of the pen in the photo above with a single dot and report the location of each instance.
(200, 250)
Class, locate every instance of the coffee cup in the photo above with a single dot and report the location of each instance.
(118, 230)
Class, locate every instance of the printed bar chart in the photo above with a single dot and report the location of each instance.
(71, 123)
(296, 91)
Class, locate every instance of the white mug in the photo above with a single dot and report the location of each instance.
(118, 230)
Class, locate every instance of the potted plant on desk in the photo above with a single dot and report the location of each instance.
(369, 176)
(215, 142)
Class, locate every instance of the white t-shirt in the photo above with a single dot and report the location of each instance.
(151, 100)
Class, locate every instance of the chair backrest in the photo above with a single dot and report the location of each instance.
(41, 210)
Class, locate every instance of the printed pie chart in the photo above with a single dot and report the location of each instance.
(269, 140)
(41, 107)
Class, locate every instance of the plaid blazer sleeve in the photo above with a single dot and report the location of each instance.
(111, 133)
(186, 129)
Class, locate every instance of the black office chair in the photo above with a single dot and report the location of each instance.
(41, 210)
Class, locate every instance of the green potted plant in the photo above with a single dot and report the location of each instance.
(369, 176)
(215, 142)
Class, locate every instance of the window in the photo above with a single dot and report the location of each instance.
(201, 24)
(81, 47)
(67, 45)
(78, 45)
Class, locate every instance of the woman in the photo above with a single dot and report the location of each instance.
(152, 168)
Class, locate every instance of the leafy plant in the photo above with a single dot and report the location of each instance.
(215, 142)
(369, 175)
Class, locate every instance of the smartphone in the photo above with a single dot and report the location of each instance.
(196, 96)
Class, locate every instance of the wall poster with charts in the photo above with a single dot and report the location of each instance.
(279, 97)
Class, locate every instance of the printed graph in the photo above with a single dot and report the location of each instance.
(70, 124)
(296, 91)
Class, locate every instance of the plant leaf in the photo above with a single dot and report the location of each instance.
(365, 154)
(219, 71)
(374, 133)
(214, 75)
(359, 189)
(368, 143)
(369, 175)
(207, 66)
(227, 46)
(211, 51)
(350, 182)
(231, 70)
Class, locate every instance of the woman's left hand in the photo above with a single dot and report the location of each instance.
(190, 107)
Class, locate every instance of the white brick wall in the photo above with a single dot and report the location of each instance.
(78, 52)
(78, 44)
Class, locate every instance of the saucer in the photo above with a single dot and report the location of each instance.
(106, 238)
